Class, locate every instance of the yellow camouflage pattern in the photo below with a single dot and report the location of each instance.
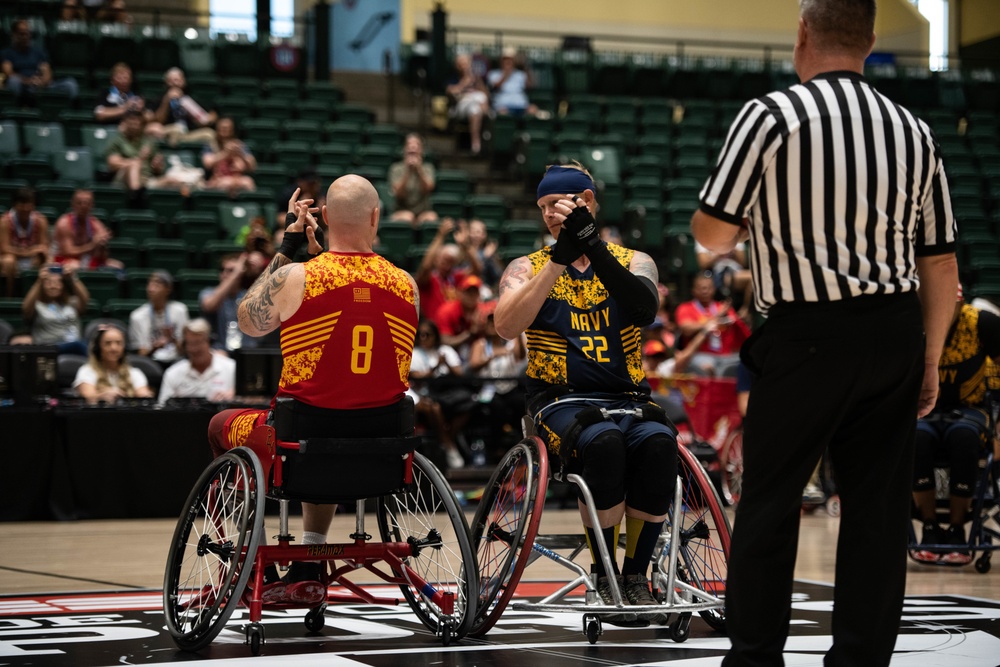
(240, 427)
(963, 345)
(330, 271)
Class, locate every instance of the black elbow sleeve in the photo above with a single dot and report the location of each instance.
(636, 296)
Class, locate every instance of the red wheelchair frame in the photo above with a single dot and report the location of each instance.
(206, 578)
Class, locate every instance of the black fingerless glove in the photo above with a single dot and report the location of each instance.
(582, 225)
(291, 243)
(290, 218)
(566, 250)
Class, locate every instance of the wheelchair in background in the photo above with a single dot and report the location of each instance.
(217, 545)
(689, 566)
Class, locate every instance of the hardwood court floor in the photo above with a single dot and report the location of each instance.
(56, 557)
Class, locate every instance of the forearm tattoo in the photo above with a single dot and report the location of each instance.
(257, 311)
(515, 275)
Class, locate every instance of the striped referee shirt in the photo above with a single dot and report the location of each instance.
(843, 190)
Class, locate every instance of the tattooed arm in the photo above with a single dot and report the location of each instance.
(522, 295)
(274, 296)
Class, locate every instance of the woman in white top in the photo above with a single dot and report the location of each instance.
(53, 307)
(441, 408)
(107, 375)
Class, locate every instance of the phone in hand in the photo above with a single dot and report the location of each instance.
(56, 268)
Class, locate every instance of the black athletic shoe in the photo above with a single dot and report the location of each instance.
(956, 537)
(624, 619)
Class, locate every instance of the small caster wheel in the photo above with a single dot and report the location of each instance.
(592, 628)
(680, 629)
(446, 633)
(255, 637)
(315, 619)
(983, 564)
(833, 506)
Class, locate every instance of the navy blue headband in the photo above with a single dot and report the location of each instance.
(564, 181)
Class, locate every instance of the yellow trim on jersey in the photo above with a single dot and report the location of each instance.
(631, 337)
(313, 323)
(403, 334)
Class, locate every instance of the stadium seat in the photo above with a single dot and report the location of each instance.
(138, 224)
(196, 228)
(43, 138)
(234, 216)
(208, 200)
(31, 168)
(74, 165)
(293, 155)
(125, 250)
(54, 194)
(166, 203)
(102, 285)
(168, 254)
(190, 283)
(10, 139)
(120, 309)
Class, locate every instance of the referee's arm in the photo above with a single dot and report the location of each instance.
(719, 236)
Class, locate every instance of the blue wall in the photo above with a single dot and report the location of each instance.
(361, 32)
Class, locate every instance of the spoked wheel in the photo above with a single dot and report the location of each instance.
(427, 515)
(732, 467)
(505, 526)
(213, 549)
(705, 534)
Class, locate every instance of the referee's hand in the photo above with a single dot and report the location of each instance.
(928, 390)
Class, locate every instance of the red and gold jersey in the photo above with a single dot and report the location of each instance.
(349, 344)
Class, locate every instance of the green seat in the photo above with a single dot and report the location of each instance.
(166, 203)
(75, 165)
(272, 176)
(96, 138)
(215, 250)
(520, 233)
(109, 197)
(33, 169)
(158, 54)
(448, 205)
(8, 186)
(10, 311)
(208, 200)
(386, 135)
(262, 131)
(453, 181)
(334, 153)
(502, 130)
(487, 207)
(324, 91)
(121, 309)
(10, 139)
(265, 198)
(197, 228)
(344, 132)
(644, 187)
(272, 108)
(190, 283)
(125, 250)
(169, 254)
(303, 130)
(315, 110)
(138, 224)
(293, 155)
(355, 113)
(54, 194)
(43, 138)
(102, 285)
(22, 115)
(396, 238)
(234, 216)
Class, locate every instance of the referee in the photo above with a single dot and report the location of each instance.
(842, 196)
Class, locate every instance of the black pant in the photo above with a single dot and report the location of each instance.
(843, 375)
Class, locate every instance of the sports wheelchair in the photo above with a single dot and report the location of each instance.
(689, 563)
(217, 545)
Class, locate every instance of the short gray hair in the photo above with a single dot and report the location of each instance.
(198, 325)
(841, 25)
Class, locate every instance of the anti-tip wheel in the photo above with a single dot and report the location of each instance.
(255, 637)
(680, 629)
(315, 619)
(983, 564)
(592, 628)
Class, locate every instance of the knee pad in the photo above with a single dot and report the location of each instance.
(965, 446)
(602, 466)
(652, 474)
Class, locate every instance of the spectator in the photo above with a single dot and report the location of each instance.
(24, 237)
(432, 360)
(486, 251)
(134, 158)
(725, 330)
(26, 67)
(107, 376)
(81, 240)
(202, 373)
(307, 183)
(113, 11)
(119, 98)
(471, 99)
(20, 337)
(730, 272)
(502, 361)
(229, 166)
(412, 182)
(438, 275)
(509, 85)
(219, 304)
(460, 320)
(177, 117)
(53, 307)
(72, 12)
(155, 327)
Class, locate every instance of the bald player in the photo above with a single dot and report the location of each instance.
(348, 319)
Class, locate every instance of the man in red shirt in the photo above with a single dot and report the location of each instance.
(725, 331)
(82, 239)
(438, 275)
(24, 237)
(459, 320)
(348, 319)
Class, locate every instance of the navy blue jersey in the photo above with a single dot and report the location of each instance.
(579, 339)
